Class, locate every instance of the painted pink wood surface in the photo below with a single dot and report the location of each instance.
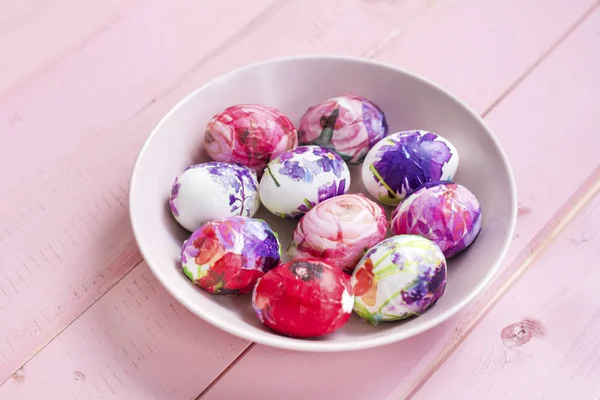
(133, 71)
(23, 22)
(541, 341)
(571, 69)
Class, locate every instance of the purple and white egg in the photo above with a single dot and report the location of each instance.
(301, 178)
(213, 190)
(403, 161)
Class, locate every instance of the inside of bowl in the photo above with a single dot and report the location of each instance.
(293, 85)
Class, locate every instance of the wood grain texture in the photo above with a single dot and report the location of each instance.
(115, 350)
(111, 93)
(406, 363)
(541, 341)
(66, 26)
(64, 232)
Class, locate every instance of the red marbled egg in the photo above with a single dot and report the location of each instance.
(303, 298)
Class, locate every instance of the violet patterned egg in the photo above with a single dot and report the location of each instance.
(301, 178)
(403, 161)
(349, 125)
(229, 255)
(400, 277)
(445, 212)
(249, 134)
(213, 190)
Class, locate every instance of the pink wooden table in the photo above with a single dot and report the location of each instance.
(83, 82)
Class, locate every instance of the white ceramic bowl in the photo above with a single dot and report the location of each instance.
(292, 85)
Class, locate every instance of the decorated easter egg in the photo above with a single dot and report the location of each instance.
(213, 190)
(399, 278)
(339, 231)
(249, 134)
(227, 256)
(403, 161)
(304, 298)
(349, 124)
(301, 178)
(447, 213)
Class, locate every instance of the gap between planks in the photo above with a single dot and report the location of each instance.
(544, 55)
(226, 370)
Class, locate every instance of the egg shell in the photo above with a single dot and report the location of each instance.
(229, 255)
(301, 178)
(339, 231)
(304, 298)
(403, 161)
(349, 125)
(213, 190)
(399, 278)
(446, 213)
(249, 134)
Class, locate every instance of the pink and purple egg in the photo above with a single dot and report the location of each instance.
(229, 255)
(249, 134)
(447, 213)
(349, 125)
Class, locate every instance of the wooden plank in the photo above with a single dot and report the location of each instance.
(23, 22)
(542, 341)
(64, 231)
(86, 161)
(117, 351)
(400, 367)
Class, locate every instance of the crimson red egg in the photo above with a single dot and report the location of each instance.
(304, 298)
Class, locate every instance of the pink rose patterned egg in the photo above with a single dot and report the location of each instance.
(399, 278)
(301, 178)
(339, 231)
(403, 161)
(349, 124)
(249, 134)
(444, 212)
(213, 190)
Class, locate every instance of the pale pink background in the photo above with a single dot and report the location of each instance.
(83, 82)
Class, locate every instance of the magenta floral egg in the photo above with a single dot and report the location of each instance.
(446, 213)
(403, 161)
(301, 178)
(304, 298)
(227, 256)
(339, 231)
(349, 124)
(249, 134)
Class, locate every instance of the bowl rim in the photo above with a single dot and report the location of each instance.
(287, 343)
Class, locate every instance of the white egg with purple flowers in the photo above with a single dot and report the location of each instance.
(301, 178)
(213, 190)
(401, 162)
